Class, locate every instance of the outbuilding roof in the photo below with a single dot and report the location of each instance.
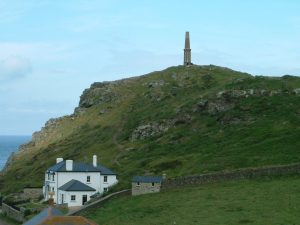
(75, 185)
(147, 179)
(80, 167)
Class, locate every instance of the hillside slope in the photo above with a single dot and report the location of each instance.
(273, 201)
(181, 121)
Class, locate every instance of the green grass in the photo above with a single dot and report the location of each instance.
(8, 220)
(256, 131)
(274, 201)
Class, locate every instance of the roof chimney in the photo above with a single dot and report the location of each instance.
(58, 160)
(94, 160)
(69, 165)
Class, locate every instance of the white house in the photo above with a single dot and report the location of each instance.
(74, 183)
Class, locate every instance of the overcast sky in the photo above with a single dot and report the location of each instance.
(51, 50)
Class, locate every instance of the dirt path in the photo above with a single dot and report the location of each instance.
(119, 146)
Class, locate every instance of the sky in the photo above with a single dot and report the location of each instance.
(51, 50)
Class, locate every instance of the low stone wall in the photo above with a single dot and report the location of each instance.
(249, 173)
(13, 213)
(33, 193)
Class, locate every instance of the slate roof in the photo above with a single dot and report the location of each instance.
(46, 213)
(80, 167)
(75, 185)
(147, 179)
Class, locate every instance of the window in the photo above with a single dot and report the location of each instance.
(152, 184)
(73, 197)
(48, 176)
(138, 183)
(53, 175)
(105, 179)
(105, 189)
(53, 189)
(88, 179)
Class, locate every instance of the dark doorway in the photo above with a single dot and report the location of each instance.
(84, 199)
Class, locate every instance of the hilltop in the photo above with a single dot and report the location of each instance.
(181, 121)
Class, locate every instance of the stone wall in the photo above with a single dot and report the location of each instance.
(13, 213)
(33, 193)
(144, 188)
(249, 173)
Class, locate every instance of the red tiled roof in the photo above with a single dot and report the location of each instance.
(67, 220)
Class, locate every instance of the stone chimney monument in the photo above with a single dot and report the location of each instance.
(187, 50)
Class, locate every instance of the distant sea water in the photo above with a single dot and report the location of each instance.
(9, 144)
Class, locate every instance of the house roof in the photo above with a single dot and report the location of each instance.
(69, 220)
(46, 213)
(75, 185)
(80, 167)
(147, 179)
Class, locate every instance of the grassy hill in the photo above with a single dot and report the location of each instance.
(180, 121)
(274, 201)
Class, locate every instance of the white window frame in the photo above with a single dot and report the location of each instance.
(88, 179)
(105, 179)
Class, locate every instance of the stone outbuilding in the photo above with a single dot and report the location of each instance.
(146, 184)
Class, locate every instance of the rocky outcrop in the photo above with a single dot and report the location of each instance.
(99, 92)
(256, 93)
(50, 127)
(154, 129)
(150, 130)
(213, 107)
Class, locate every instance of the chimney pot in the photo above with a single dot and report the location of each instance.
(94, 160)
(58, 160)
(69, 165)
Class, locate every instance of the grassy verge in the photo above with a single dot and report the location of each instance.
(8, 220)
(273, 201)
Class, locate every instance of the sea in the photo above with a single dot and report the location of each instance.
(9, 144)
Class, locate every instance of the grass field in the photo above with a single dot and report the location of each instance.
(272, 201)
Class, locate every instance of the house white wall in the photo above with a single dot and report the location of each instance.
(78, 197)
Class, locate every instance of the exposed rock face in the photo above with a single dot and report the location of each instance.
(98, 93)
(201, 105)
(153, 129)
(50, 127)
(256, 93)
(214, 108)
(297, 91)
(149, 130)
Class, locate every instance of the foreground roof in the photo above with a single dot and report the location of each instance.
(80, 167)
(147, 179)
(46, 213)
(75, 185)
(67, 220)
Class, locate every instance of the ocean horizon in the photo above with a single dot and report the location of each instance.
(10, 144)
